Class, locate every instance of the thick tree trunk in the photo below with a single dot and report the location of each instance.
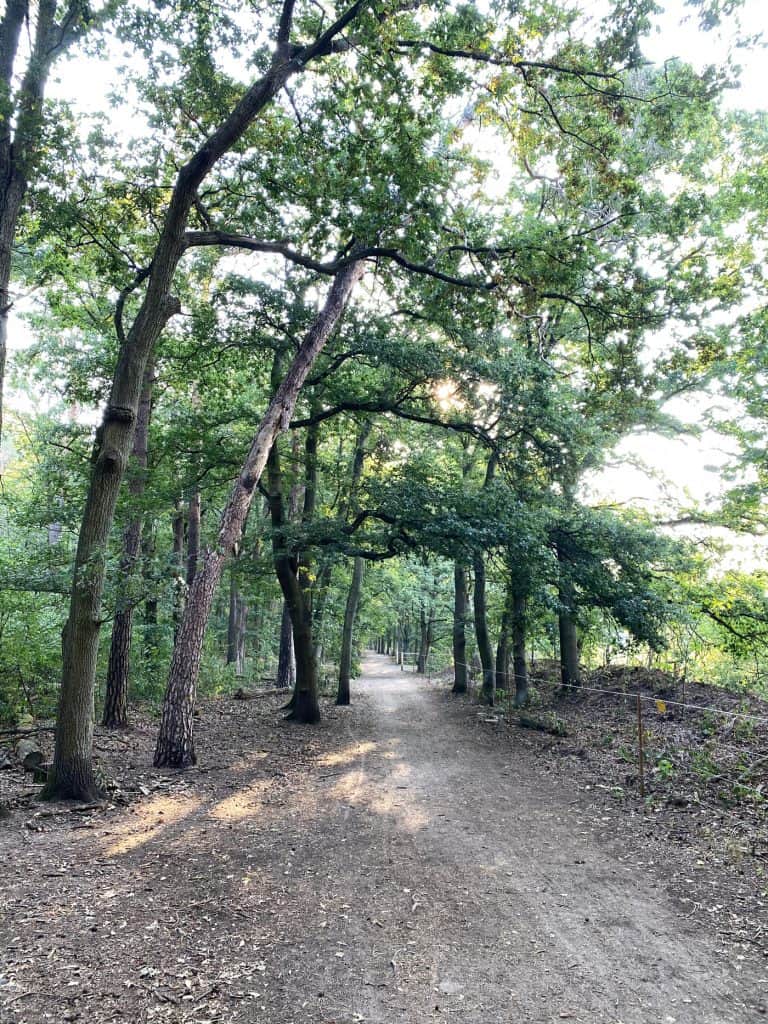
(175, 745)
(481, 633)
(460, 610)
(350, 614)
(72, 773)
(306, 708)
(286, 662)
(115, 715)
(519, 630)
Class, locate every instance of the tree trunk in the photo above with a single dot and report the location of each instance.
(519, 629)
(502, 660)
(481, 633)
(484, 648)
(238, 613)
(115, 714)
(304, 706)
(193, 535)
(242, 623)
(72, 773)
(426, 623)
(21, 122)
(570, 674)
(179, 583)
(286, 662)
(175, 745)
(232, 621)
(460, 608)
(350, 614)
(502, 648)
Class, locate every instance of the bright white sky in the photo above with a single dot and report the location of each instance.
(689, 467)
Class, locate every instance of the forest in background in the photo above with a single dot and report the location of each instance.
(360, 297)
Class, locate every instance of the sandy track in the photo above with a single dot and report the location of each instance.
(394, 867)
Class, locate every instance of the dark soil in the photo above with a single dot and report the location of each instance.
(413, 858)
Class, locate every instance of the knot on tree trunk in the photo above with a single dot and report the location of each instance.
(119, 414)
(112, 460)
(171, 306)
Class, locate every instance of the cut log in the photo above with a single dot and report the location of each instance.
(554, 728)
(29, 754)
(241, 694)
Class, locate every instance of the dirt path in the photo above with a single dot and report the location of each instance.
(392, 867)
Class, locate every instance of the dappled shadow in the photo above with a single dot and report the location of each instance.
(346, 871)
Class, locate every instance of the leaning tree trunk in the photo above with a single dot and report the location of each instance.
(460, 609)
(350, 614)
(115, 714)
(22, 130)
(72, 773)
(481, 633)
(175, 744)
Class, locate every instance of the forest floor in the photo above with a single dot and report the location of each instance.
(414, 858)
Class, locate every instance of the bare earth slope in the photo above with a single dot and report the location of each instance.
(390, 866)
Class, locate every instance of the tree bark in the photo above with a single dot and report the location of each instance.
(115, 714)
(460, 609)
(193, 535)
(286, 662)
(175, 745)
(236, 623)
(519, 631)
(503, 646)
(323, 582)
(570, 674)
(179, 583)
(350, 614)
(304, 706)
(426, 624)
(481, 633)
(502, 660)
(72, 773)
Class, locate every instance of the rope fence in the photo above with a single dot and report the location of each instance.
(661, 704)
